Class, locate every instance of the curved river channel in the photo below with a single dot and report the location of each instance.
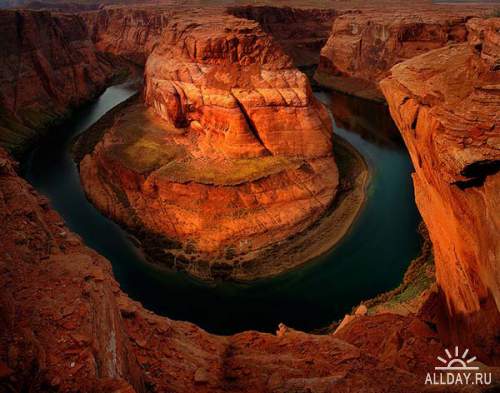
(371, 258)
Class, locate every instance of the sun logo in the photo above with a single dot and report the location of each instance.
(457, 362)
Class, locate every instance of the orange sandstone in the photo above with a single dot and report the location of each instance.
(364, 45)
(67, 326)
(48, 66)
(230, 152)
(447, 104)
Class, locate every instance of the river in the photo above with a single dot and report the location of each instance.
(371, 258)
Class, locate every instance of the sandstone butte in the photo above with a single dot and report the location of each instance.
(229, 153)
(66, 326)
(48, 65)
(447, 105)
(364, 45)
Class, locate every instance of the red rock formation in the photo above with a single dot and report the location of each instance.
(66, 326)
(363, 46)
(127, 32)
(60, 324)
(231, 66)
(446, 104)
(301, 32)
(243, 149)
(47, 66)
(399, 346)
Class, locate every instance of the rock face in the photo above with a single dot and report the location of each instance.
(364, 45)
(239, 150)
(129, 33)
(66, 326)
(301, 32)
(47, 66)
(447, 104)
(60, 324)
(231, 66)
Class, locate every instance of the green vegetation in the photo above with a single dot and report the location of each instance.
(86, 142)
(418, 278)
(143, 147)
(144, 143)
(225, 172)
(145, 155)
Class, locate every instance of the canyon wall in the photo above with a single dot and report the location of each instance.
(66, 326)
(447, 104)
(240, 150)
(301, 32)
(47, 66)
(130, 33)
(60, 324)
(134, 32)
(364, 45)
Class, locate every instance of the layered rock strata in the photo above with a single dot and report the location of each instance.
(371, 120)
(364, 45)
(47, 66)
(447, 104)
(229, 154)
(301, 32)
(130, 33)
(66, 326)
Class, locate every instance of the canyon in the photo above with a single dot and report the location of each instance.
(126, 33)
(65, 323)
(67, 326)
(364, 45)
(48, 66)
(446, 104)
(228, 154)
(301, 32)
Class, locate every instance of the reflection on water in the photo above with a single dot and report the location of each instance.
(371, 120)
(372, 258)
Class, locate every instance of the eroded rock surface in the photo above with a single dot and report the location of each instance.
(65, 325)
(447, 104)
(364, 45)
(48, 65)
(229, 154)
(130, 33)
(301, 32)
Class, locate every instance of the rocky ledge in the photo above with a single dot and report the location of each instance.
(229, 152)
(447, 104)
